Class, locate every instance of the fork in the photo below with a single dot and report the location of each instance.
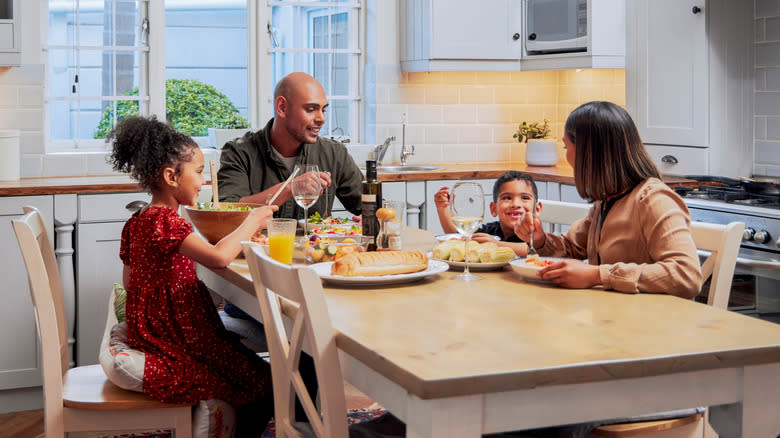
(531, 250)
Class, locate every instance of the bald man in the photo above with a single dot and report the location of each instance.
(254, 166)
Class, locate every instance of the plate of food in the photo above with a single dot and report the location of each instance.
(379, 268)
(455, 236)
(528, 267)
(482, 256)
(331, 225)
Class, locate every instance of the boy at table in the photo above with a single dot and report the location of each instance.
(514, 196)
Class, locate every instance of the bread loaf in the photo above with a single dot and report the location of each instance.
(370, 264)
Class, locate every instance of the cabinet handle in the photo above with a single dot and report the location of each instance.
(136, 205)
(516, 36)
(696, 9)
(669, 159)
(532, 36)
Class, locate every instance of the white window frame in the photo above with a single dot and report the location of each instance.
(261, 60)
(151, 81)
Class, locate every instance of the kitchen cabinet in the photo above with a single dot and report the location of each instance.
(606, 46)
(20, 361)
(98, 234)
(689, 83)
(10, 32)
(460, 35)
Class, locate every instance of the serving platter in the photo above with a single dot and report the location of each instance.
(527, 271)
(473, 266)
(323, 270)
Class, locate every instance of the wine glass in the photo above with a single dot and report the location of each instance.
(467, 208)
(306, 189)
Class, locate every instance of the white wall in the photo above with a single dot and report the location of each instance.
(766, 114)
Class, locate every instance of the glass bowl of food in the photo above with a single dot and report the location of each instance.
(328, 248)
(215, 223)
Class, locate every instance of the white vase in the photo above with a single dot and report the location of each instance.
(541, 152)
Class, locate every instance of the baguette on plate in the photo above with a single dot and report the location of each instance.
(371, 264)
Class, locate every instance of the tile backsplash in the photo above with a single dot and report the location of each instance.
(766, 113)
(471, 116)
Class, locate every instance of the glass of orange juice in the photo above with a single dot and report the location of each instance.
(281, 239)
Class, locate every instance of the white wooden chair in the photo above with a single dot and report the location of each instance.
(80, 399)
(562, 213)
(722, 241)
(276, 286)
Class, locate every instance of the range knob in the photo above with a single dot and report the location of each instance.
(747, 235)
(762, 237)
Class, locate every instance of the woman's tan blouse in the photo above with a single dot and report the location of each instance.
(645, 244)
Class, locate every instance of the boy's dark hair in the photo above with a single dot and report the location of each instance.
(143, 146)
(514, 175)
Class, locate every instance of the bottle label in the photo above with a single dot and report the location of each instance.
(368, 197)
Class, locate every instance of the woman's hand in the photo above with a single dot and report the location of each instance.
(442, 198)
(572, 274)
(523, 230)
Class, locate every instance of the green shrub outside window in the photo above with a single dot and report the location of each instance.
(191, 107)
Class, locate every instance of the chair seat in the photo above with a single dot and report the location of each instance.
(88, 388)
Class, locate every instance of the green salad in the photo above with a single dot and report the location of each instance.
(330, 220)
(223, 206)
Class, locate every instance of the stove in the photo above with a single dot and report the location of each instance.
(756, 283)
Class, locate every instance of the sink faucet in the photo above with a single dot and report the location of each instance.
(405, 150)
(380, 149)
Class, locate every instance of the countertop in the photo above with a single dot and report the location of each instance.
(561, 173)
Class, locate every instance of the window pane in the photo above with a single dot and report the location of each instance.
(297, 27)
(207, 45)
(338, 118)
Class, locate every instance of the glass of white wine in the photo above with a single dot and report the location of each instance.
(306, 189)
(467, 208)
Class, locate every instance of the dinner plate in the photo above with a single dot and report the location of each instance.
(473, 266)
(451, 236)
(323, 270)
(529, 271)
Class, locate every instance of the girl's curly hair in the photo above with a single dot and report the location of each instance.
(143, 146)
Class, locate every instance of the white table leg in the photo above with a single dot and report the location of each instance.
(444, 418)
(761, 404)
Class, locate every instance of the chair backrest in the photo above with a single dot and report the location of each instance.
(723, 242)
(564, 213)
(46, 290)
(276, 285)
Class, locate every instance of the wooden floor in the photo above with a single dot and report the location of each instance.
(25, 424)
(29, 424)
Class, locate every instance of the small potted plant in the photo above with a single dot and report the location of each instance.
(540, 151)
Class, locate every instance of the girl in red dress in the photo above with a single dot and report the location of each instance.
(170, 315)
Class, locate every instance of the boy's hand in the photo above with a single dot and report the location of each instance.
(442, 198)
(483, 238)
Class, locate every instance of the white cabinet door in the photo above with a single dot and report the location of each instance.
(98, 267)
(20, 362)
(460, 35)
(666, 71)
(10, 32)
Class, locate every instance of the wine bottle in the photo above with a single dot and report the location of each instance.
(372, 199)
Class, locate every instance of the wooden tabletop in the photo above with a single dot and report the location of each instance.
(441, 337)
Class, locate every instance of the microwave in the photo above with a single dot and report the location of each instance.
(556, 26)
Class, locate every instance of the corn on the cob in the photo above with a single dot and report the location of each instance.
(497, 255)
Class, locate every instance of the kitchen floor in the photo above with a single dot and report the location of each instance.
(29, 424)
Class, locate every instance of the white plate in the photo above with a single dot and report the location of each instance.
(445, 237)
(323, 270)
(473, 266)
(529, 271)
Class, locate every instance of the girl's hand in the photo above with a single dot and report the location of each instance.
(523, 230)
(572, 274)
(262, 214)
(442, 198)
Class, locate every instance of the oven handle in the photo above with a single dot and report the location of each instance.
(749, 263)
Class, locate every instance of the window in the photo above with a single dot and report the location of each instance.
(97, 54)
(320, 38)
(110, 58)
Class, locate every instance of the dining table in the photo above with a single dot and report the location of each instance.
(463, 359)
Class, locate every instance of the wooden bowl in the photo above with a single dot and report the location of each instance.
(216, 224)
